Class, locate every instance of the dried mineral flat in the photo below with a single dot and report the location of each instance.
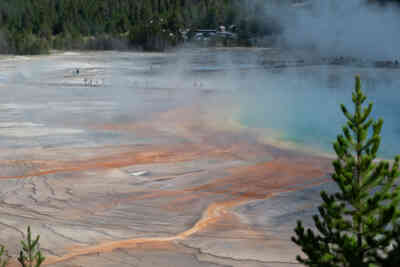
(139, 174)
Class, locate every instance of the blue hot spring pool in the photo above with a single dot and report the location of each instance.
(302, 104)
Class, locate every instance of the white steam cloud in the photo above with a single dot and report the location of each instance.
(342, 28)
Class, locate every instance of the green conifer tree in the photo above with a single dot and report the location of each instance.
(359, 225)
(30, 255)
(4, 256)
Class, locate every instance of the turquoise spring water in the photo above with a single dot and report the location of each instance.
(303, 104)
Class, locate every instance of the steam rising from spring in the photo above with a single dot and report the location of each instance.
(342, 28)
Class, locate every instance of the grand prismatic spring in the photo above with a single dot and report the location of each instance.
(201, 157)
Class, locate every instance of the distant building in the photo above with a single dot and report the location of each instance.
(209, 34)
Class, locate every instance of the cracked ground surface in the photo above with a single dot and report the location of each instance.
(139, 172)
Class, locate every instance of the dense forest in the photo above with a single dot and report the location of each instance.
(36, 26)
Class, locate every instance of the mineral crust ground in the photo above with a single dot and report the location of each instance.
(141, 171)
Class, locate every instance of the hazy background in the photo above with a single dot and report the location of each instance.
(341, 28)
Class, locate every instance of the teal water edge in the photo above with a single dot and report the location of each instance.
(303, 104)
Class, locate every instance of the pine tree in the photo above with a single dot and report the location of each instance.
(4, 256)
(30, 255)
(359, 225)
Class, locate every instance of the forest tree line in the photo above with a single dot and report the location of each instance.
(36, 26)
